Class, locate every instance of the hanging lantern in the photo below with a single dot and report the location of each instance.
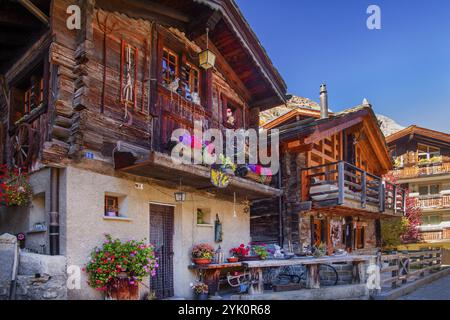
(207, 58)
(180, 196)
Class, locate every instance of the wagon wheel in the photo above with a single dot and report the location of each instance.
(22, 143)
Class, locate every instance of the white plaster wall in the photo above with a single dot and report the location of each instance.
(85, 226)
(21, 219)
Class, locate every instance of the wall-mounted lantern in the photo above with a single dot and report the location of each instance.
(207, 58)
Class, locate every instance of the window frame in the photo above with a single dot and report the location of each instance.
(429, 155)
(106, 205)
(190, 79)
(429, 190)
(166, 80)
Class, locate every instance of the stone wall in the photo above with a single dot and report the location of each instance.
(39, 277)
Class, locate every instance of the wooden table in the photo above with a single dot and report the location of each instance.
(210, 273)
(312, 268)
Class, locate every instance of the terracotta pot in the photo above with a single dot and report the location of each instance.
(201, 261)
(121, 289)
(233, 260)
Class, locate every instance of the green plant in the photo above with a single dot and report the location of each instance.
(202, 251)
(436, 159)
(227, 163)
(392, 231)
(114, 257)
(320, 250)
(261, 251)
(200, 288)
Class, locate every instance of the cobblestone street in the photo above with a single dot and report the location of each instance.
(437, 290)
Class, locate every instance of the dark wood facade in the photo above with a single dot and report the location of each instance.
(73, 94)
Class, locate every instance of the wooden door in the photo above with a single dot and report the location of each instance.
(161, 236)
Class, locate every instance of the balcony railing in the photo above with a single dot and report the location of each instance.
(432, 236)
(437, 201)
(337, 182)
(422, 170)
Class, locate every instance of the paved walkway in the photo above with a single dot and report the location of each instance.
(437, 290)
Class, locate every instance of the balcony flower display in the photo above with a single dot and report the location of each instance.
(15, 190)
(118, 267)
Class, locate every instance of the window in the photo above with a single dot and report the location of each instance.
(433, 189)
(111, 206)
(431, 220)
(359, 237)
(426, 153)
(393, 152)
(193, 78)
(169, 66)
(34, 95)
(204, 216)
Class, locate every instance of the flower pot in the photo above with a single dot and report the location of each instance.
(233, 259)
(121, 289)
(202, 296)
(201, 261)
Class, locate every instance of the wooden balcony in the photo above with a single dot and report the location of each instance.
(426, 170)
(160, 166)
(432, 236)
(348, 190)
(437, 201)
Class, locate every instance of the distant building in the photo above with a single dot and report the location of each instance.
(422, 164)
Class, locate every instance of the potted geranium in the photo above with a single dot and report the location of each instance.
(118, 267)
(202, 254)
(243, 253)
(200, 290)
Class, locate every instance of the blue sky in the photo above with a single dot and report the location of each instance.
(403, 69)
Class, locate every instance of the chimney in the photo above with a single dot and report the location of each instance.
(323, 102)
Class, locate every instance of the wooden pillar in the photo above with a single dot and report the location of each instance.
(378, 233)
(312, 276)
(312, 229)
(254, 118)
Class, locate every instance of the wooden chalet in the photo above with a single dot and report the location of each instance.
(331, 175)
(90, 113)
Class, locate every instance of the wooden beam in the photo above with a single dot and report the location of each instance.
(30, 57)
(141, 9)
(15, 19)
(320, 135)
(27, 4)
